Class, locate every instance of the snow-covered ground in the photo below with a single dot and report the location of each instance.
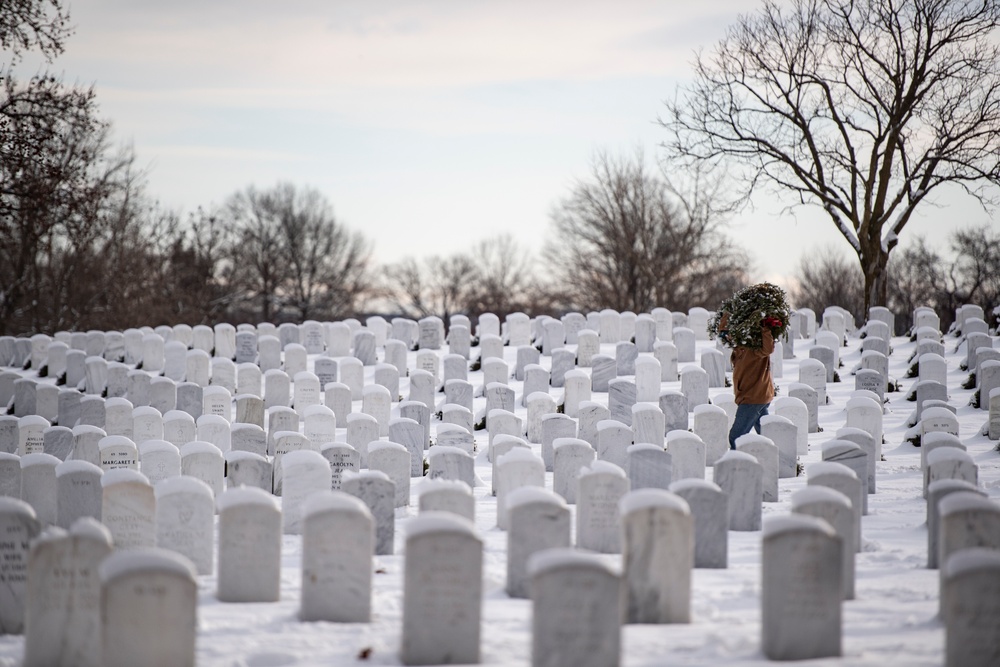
(892, 621)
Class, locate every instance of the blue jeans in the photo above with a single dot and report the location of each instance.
(747, 417)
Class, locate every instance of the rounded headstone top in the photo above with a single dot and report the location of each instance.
(964, 501)
(304, 457)
(734, 455)
(527, 495)
(115, 441)
(778, 524)
(8, 456)
(569, 441)
(693, 483)
(502, 438)
(135, 561)
(439, 522)
(10, 505)
(305, 376)
(91, 528)
(788, 401)
(642, 499)
(550, 559)
(179, 415)
(441, 450)
(834, 447)
(72, 466)
(974, 559)
(212, 420)
(539, 396)
(859, 401)
(935, 413)
(691, 370)
(948, 454)
(273, 372)
(145, 410)
(348, 475)
(382, 445)
(643, 446)
(182, 484)
(810, 495)
(449, 428)
(39, 459)
(775, 419)
(118, 401)
(241, 455)
(334, 501)
(753, 438)
(87, 429)
(708, 408)
(821, 468)
(361, 417)
(200, 447)
(942, 437)
(602, 467)
(152, 446)
(609, 424)
(33, 420)
(949, 485)
(246, 495)
(123, 476)
(433, 485)
(523, 454)
(313, 410)
(681, 434)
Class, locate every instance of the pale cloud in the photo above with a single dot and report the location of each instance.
(393, 44)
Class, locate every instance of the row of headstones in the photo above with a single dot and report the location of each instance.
(654, 595)
(242, 343)
(262, 343)
(799, 621)
(183, 353)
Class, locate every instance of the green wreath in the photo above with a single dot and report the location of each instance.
(748, 309)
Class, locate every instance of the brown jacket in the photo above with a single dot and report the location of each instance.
(752, 381)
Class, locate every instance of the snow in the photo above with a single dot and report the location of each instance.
(182, 484)
(67, 467)
(544, 561)
(438, 522)
(336, 501)
(819, 494)
(153, 446)
(121, 563)
(892, 621)
(783, 523)
(648, 498)
(122, 476)
(972, 560)
(245, 495)
(38, 459)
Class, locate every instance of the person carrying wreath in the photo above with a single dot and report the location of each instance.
(749, 322)
(752, 382)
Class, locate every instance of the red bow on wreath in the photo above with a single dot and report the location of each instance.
(772, 322)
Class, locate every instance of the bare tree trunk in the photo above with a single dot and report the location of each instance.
(874, 259)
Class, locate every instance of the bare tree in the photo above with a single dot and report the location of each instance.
(441, 286)
(826, 278)
(861, 107)
(975, 275)
(290, 252)
(917, 278)
(28, 25)
(506, 281)
(626, 239)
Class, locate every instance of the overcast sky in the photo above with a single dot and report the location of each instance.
(427, 124)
